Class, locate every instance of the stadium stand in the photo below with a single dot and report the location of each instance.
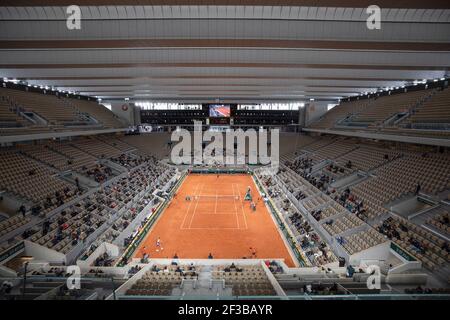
(32, 181)
(245, 280)
(362, 240)
(44, 154)
(31, 112)
(381, 109)
(160, 280)
(401, 177)
(441, 221)
(316, 250)
(98, 112)
(78, 160)
(433, 110)
(341, 224)
(364, 158)
(8, 115)
(432, 250)
(53, 110)
(419, 112)
(97, 148)
(343, 111)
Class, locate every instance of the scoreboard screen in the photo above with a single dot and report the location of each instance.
(219, 110)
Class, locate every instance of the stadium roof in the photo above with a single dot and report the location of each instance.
(243, 50)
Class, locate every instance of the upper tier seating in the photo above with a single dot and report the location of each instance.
(99, 112)
(434, 110)
(339, 112)
(49, 107)
(8, 117)
(380, 109)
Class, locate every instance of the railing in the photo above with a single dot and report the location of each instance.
(402, 252)
(430, 126)
(12, 251)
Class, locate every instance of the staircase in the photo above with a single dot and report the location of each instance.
(401, 121)
(83, 117)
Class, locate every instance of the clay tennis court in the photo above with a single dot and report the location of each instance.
(217, 220)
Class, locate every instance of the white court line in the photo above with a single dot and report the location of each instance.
(215, 228)
(235, 207)
(231, 213)
(195, 208)
(190, 203)
(216, 196)
(243, 213)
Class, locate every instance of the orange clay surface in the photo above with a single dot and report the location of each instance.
(226, 226)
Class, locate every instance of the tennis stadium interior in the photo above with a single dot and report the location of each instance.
(95, 95)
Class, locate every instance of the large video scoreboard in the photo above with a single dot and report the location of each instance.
(220, 114)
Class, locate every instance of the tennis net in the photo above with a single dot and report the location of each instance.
(214, 198)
